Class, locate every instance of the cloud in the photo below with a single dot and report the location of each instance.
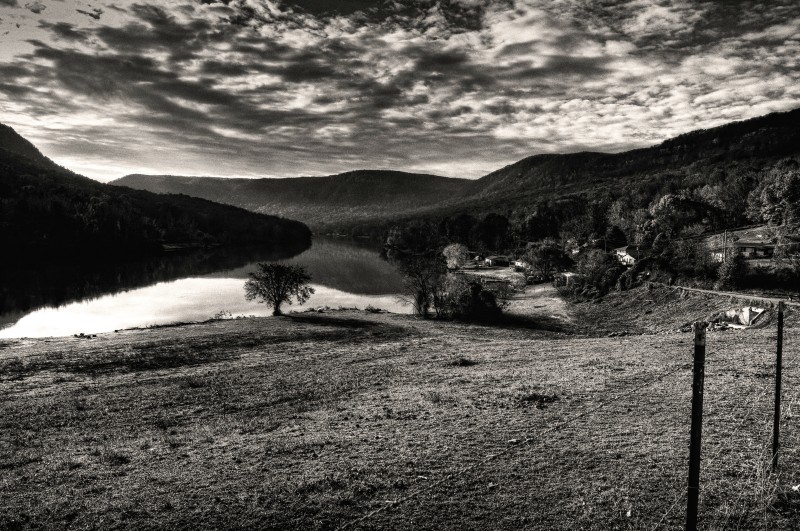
(303, 87)
(94, 13)
(64, 31)
(35, 7)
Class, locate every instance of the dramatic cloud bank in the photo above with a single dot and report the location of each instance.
(454, 87)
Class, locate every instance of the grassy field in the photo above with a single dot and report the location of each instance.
(379, 421)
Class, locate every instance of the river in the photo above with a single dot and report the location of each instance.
(68, 299)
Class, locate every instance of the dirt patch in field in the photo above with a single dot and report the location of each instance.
(542, 300)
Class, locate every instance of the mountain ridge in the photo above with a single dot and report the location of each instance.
(357, 195)
(327, 204)
(780, 136)
(14, 143)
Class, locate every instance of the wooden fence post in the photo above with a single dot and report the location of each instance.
(698, 381)
(776, 419)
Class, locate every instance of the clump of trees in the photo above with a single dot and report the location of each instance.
(422, 278)
(547, 258)
(423, 257)
(276, 284)
(467, 300)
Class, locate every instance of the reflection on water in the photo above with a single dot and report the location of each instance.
(58, 283)
(187, 287)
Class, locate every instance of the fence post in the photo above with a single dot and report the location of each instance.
(699, 373)
(776, 420)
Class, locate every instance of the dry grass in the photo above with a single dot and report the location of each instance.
(314, 420)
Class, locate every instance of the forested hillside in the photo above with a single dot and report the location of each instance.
(47, 211)
(324, 203)
(768, 137)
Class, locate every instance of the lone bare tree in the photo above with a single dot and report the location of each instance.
(277, 283)
(421, 277)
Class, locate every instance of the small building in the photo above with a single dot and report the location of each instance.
(748, 249)
(752, 243)
(627, 255)
(567, 278)
(751, 249)
(497, 261)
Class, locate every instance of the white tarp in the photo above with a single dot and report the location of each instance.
(741, 317)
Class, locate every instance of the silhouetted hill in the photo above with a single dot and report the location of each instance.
(367, 202)
(47, 211)
(324, 203)
(11, 144)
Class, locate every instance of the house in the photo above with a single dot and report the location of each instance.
(566, 278)
(627, 255)
(751, 243)
(752, 249)
(521, 265)
(497, 261)
(748, 249)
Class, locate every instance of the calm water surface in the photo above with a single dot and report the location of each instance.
(191, 287)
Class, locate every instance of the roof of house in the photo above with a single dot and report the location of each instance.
(742, 243)
(760, 233)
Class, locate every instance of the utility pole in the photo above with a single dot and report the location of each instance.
(699, 373)
(725, 246)
(776, 419)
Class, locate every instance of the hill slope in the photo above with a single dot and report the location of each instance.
(47, 211)
(772, 136)
(322, 202)
(12, 144)
(360, 201)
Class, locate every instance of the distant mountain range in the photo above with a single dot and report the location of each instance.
(47, 211)
(358, 201)
(324, 203)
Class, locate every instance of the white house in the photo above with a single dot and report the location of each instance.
(496, 261)
(627, 255)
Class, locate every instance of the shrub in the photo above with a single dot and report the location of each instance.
(599, 273)
(732, 272)
(466, 300)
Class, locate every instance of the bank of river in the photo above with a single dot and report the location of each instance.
(188, 288)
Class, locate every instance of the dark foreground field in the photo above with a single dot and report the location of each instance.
(320, 421)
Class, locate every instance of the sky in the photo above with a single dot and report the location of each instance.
(280, 88)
